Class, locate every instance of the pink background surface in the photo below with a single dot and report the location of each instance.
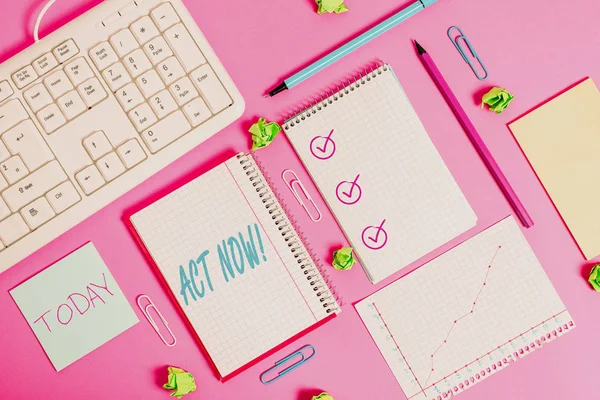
(534, 48)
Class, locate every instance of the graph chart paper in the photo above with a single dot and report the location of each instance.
(465, 315)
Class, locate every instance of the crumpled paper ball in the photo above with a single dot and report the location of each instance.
(594, 278)
(343, 259)
(497, 100)
(331, 6)
(180, 382)
(323, 396)
(263, 133)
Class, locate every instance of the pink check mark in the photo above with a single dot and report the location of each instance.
(375, 237)
(323, 147)
(349, 195)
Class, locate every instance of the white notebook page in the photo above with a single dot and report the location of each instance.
(465, 315)
(244, 317)
(406, 203)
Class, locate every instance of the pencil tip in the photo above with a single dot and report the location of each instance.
(266, 96)
(420, 48)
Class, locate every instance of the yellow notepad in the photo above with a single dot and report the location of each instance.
(561, 139)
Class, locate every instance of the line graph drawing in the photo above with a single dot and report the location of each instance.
(464, 316)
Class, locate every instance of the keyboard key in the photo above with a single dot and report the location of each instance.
(197, 112)
(4, 154)
(13, 169)
(34, 185)
(90, 179)
(78, 71)
(24, 76)
(110, 166)
(92, 92)
(211, 88)
(5, 90)
(71, 104)
(129, 96)
(103, 55)
(11, 113)
(142, 117)
(63, 197)
(65, 51)
(44, 64)
(37, 97)
(164, 16)
(144, 29)
(12, 229)
(157, 50)
(150, 83)
(3, 183)
(123, 42)
(4, 210)
(116, 76)
(131, 153)
(166, 131)
(97, 145)
(37, 213)
(170, 70)
(26, 141)
(51, 118)
(183, 90)
(163, 104)
(58, 84)
(137, 62)
(129, 7)
(185, 47)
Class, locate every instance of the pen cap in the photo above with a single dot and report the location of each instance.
(427, 3)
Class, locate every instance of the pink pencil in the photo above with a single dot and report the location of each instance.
(469, 128)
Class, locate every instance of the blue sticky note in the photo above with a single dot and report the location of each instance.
(74, 306)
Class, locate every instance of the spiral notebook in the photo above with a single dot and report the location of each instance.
(380, 173)
(465, 315)
(236, 265)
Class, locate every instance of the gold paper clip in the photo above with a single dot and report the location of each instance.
(282, 373)
(151, 320)
(301, 190)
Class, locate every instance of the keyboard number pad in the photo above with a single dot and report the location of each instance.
(161, 79)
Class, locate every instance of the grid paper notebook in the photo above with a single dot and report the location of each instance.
(380, 174)
(465, 315)
(235, 264)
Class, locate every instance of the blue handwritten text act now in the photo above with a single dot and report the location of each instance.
(237, 255)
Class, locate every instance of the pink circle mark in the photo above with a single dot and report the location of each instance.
(326, 150)
(379, 242)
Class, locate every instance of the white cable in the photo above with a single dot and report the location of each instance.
(38, 21)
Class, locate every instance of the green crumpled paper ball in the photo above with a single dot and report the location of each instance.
(497, 99)
(263, 133)
(343, 259)
(331, 6)
(594, 278)
(180, 382)
(323, 396)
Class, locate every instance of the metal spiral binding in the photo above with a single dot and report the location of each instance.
(331, 95)
(289, 229)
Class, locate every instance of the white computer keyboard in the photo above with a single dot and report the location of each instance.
(98, 106)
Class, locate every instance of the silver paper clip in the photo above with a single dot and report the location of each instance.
(282, 373)
(463, 53)
(151, 320)
(295, 182)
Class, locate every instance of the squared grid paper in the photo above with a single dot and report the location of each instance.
(252, 313)
(402, 176)
(465, 315)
